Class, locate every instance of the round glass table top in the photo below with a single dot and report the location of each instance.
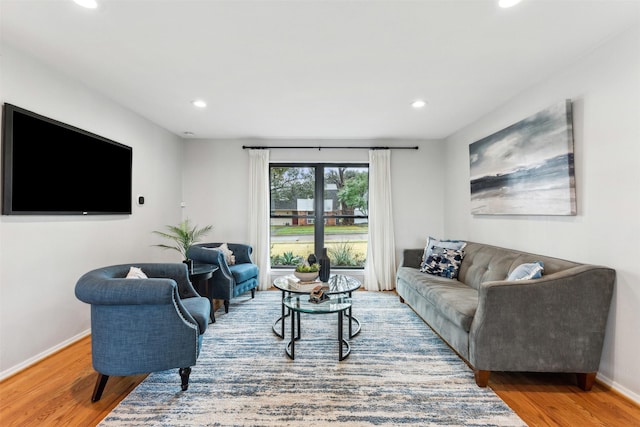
(337, 284)
(303, 305)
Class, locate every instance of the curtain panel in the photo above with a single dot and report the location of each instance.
(259, 214)
(380, 269)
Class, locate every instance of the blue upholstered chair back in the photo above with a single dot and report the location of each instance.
(229, 280)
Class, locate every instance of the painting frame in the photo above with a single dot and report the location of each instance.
(527, 168)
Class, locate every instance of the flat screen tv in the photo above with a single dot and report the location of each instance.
(52, 168)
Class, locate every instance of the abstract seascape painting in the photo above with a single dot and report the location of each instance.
(526, 168)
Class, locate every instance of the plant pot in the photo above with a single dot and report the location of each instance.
(306, 277)
(189, 263)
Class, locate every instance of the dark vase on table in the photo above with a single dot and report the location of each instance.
(311, 259)
(325, 266)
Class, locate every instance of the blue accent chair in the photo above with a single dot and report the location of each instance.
(228, 281)
(143, 325)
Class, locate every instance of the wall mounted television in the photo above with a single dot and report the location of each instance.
(52, 168)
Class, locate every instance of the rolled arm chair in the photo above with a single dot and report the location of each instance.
(228, 281)
(143, 325)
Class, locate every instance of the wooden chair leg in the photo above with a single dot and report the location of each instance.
(184, 376)
(226, 306)
(99, 387)
(586, 380)
(482, 377)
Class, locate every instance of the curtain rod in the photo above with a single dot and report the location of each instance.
(318, 147)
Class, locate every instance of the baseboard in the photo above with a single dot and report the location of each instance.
(37, 358)
(617, 388)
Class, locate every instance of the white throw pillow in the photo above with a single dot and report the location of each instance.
(228, 254)
(136, 273)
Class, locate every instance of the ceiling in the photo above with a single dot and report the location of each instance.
(312, 69)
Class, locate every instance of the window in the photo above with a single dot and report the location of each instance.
(314, 206)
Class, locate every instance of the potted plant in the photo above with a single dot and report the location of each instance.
(306, 273)
(183, 237)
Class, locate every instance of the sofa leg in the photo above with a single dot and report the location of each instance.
(253, 293)
(586, 380)
(99, 387)
(482, 377)
(184, 376)
(226, 306)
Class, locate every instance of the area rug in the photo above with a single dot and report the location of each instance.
(399, 373)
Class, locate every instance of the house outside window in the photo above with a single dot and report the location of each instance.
(316, 206)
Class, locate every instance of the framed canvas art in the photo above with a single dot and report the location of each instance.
(526, 168)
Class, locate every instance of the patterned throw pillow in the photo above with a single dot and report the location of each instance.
(443, 262)
(447, 244)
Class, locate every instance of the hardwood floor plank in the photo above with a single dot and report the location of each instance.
(57, 391)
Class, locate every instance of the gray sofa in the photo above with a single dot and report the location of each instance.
(552, 324)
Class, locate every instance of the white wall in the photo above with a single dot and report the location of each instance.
(217, 175)
(605, 89)
(42, 257)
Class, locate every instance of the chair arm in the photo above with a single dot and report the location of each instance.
(116, 291)
(210, 255)
(411, 258)
(552, 324)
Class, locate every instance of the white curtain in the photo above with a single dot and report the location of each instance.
(259, 214)
(380, 271)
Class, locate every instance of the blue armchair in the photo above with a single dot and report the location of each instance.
(228, 281)
(143, 325)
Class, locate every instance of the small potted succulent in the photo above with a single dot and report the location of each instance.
(306, 272)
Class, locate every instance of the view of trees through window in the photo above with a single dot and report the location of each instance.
(316, 206)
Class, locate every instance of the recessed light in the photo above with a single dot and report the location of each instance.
(89, 4)
(199, 103)
(508, 3)
(418, 103)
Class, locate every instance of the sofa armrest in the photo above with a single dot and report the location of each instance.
(552, 324)
(411, 258)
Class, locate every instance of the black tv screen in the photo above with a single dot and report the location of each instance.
(52, 168)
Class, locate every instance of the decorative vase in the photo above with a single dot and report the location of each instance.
(325, 265)
(312, 259)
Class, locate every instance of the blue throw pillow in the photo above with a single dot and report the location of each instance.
(527, 271)
(443, 262)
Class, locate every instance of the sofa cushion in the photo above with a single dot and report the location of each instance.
(242, 272)
(443, 262)
(532, 270)
(454, 300)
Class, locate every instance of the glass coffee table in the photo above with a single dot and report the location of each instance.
(337, 284)
(338, 303)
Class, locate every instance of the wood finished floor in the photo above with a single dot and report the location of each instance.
(57, 392)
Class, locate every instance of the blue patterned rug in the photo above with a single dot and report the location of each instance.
(399, 373)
